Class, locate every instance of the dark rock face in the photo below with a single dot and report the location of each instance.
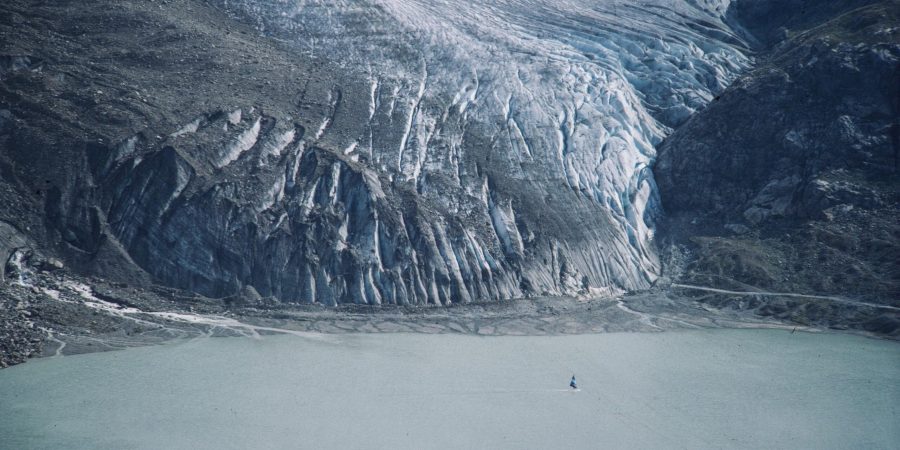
(797, 163)
(12, 244)
(19, 337)
(785, 140)
(770, 22)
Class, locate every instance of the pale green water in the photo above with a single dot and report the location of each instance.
(691, 389)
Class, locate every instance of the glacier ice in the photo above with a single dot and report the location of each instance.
(465, 151)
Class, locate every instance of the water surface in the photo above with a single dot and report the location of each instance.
(688, 389)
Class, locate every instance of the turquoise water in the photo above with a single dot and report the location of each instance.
(690, 389)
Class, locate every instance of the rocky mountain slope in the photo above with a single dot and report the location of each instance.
(788, 181)
(367, 152)
(418, 152)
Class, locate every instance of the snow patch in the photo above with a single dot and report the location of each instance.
(187, 129)
(244, 142)
(234, 117)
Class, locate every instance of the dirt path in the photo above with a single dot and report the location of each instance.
(786, 294)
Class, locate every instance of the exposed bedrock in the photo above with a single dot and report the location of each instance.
(789, 180)
(814, 127)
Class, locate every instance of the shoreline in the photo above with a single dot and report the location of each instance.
(55, 313)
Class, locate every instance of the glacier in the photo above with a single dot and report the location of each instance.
(456, 151)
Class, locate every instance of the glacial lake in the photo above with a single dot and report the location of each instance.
(677, 389)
